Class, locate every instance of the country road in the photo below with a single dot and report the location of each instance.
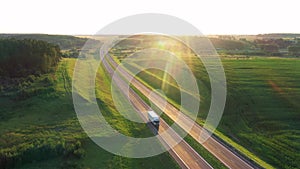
(183, 153)
(222, 153)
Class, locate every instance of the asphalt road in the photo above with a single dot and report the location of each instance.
(183, 153)
(222, 153)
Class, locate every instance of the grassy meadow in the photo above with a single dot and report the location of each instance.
(39, 127)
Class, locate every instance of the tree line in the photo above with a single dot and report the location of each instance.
(65, 42)
(20, 58)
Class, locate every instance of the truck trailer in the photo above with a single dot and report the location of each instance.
(153, 118)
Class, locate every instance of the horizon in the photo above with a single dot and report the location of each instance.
(1, 33)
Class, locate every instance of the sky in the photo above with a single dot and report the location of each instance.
(209, 16)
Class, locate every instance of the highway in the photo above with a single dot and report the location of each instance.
(183, 153)
(224, 154)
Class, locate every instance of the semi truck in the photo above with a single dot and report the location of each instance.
(153, 118)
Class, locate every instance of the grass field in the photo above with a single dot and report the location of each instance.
(262, 111)
(40, 129)
(261, 117)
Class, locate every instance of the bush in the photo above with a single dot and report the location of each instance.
(47, 80)
(41, 150)
(70, 165)
(79, 153)
(74, 149)
(31, 78)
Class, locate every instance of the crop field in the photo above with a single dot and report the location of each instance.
(262, 111)
(261, 116)
(40, 129)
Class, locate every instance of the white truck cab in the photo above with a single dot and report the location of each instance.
(153, 118)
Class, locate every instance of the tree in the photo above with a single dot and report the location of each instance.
(294, 50)
(269, 48)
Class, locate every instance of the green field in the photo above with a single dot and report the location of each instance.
(39, 128)
(262, 110)
(261, 117)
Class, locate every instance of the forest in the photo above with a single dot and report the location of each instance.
(20, 58)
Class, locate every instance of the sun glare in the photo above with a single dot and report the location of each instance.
(161, 44)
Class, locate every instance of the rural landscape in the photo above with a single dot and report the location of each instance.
(39, 127)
